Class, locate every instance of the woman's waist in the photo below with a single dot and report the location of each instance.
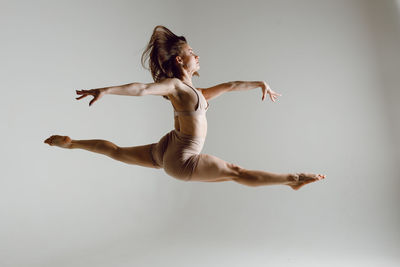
(192, 129)
(190, 134)
(192, 121)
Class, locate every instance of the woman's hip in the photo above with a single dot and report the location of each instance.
(178, 154)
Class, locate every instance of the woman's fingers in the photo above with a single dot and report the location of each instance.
(273, 95)
(77, 98)
(93, 100)
(81, 92)
(85, 93)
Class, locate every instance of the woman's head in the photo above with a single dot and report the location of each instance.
(188, 60)
(169, 55)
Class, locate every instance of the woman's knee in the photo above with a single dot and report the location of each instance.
(107, 147)
(235, 171)
(212, 168)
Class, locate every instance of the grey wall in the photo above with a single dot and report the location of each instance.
(336, 65)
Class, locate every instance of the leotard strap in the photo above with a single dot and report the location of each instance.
(197, 110)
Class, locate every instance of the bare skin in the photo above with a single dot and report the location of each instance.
(183, 98)
(140, 155)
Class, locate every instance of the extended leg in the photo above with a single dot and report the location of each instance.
(138, 155)
(213, 169)
(257, 178)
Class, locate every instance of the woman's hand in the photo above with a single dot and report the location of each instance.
(96, 93)
(267, 90)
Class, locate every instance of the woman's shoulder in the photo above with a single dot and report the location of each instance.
(177, 83)
(178, 86)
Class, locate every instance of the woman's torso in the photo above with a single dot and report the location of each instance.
(190, 106)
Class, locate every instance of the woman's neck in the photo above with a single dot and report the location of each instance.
(187, 78)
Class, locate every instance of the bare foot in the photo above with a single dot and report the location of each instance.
(301, 179)
(58, 140)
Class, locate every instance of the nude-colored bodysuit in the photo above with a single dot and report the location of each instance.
(177, 153)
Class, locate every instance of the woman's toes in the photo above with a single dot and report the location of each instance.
(48, 141)
(58, 140)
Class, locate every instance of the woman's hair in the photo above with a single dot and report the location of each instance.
(161, 53)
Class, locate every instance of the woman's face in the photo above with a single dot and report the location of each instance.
(190, 59)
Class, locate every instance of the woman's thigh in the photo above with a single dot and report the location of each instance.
(150, 155)
(213, 169)
(137, 155)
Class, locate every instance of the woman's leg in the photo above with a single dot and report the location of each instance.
(213, 169)
(137, 155)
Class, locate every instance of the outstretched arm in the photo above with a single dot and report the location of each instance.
(219, 89)
(165, 87)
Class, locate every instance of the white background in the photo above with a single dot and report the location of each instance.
(336, 63)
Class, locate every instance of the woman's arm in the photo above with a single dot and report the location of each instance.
(165, 87)
(244, 85)
(130, 89)
(241, 86)
(217, 90)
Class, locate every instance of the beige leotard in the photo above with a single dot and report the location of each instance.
(178, 153)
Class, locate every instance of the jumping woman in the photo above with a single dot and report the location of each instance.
(173, 63)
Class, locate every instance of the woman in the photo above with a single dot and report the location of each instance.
(173, 63)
